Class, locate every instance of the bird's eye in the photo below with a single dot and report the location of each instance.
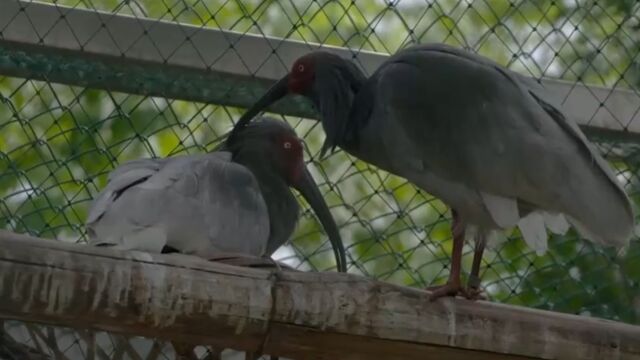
(287, 145)
(300, 68)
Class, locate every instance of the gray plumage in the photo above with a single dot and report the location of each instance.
(234, 200)
(153, 203)
(485, 140)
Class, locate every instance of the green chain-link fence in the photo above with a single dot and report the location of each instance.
(58, 142)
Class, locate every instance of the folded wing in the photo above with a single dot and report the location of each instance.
(195, 204)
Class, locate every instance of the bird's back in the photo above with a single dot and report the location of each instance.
(194, 204)
(485, 141)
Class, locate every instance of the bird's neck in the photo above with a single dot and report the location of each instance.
(281, 204)
(347, 111)
(358, 117)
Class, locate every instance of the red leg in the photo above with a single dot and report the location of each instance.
(473, 291)
(453, 285)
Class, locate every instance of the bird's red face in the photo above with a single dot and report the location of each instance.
(291, 153)
(301, 75)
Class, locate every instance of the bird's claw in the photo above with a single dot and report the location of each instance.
(448, 289)
(453, 289)
(473, 293)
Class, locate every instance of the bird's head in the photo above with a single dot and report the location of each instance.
(271, 149)
(329, 81)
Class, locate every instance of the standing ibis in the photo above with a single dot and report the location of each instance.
(485, 140)
(232, 201)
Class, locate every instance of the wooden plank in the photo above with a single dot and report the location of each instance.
(291, 314)
(102, 50)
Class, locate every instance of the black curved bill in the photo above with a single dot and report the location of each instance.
(279, 90)
(309, 190)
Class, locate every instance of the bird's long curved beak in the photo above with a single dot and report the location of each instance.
(309, 190)
(279, 90)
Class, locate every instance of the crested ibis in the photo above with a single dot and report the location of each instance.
(232, 201)
(485, 140)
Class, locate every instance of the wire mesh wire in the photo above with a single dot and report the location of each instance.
(28, 341)
(58, 142)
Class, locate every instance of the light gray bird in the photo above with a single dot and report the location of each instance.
(485, 140)
(232, 201)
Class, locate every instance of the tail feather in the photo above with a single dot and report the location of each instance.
(585, 233)
(599, 211)
(592, 198)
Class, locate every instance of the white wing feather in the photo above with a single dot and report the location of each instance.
(534, 232)
(557, 223)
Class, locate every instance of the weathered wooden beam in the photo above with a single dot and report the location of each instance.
(153, 57)
(291, 314)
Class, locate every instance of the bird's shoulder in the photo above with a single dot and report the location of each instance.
(119, 180)
(180, 174)
(432, 66)
(218, 167)
(193, 174)
(417, 54)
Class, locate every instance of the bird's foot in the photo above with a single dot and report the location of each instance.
(453, 289)
(473, 293)
(448, 289)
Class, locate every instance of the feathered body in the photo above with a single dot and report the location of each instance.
(234, 200)
(191, 203)
(489, 143)
(485, 140)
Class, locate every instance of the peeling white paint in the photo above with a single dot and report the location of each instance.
(38, 283)
(48, 293)
(150, 298)
(256, 302)
(84, 285)
(16, 282)
(509, 336)
(450, 312)
(547, 350)
(101, 285)
(117, 287)
(59, 295)
(242, 322)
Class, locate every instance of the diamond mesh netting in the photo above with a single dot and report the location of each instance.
(58, 142)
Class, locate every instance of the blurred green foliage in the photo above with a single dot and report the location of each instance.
(58, 142)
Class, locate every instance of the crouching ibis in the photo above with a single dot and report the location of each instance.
(485, 140)
(234, 201)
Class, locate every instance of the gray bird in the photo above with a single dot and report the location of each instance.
(485, 140)
(232, 201)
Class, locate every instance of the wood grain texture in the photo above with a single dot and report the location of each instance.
(291, 314)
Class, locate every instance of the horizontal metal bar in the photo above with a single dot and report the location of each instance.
(152, 57)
